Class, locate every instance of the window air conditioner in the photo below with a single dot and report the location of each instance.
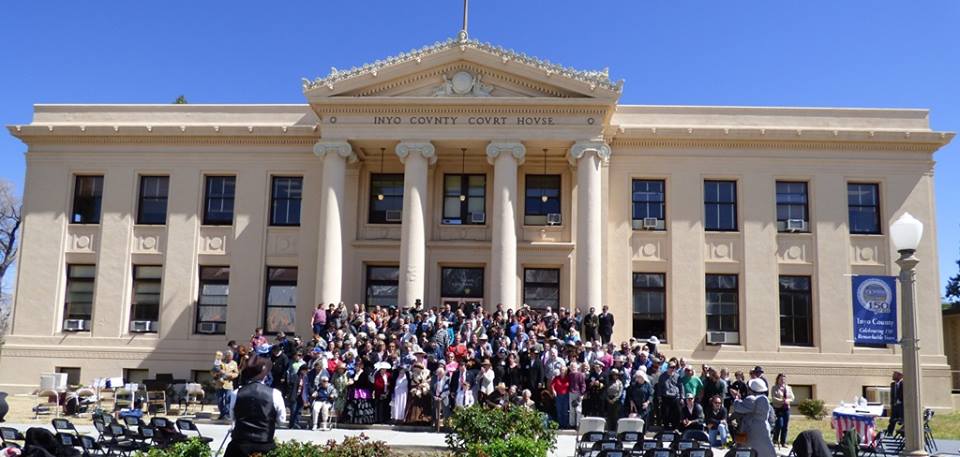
(478, 218)
(716, 337)
(553, 219)
(143, 326)
(650, 223)
(76, 325)
(207, 327)
(451, 222)
(796, 225)
(393, 215)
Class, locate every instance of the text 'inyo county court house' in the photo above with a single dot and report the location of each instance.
(463, 172)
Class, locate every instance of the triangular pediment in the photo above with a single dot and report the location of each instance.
(463, 69)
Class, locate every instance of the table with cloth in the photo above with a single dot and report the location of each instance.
(861, 418)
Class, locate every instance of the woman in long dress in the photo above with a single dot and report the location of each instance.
(421, 402)
(755, 417)
(398, 407)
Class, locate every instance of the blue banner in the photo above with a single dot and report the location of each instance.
(875, 309)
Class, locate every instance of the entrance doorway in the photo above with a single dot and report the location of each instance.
(462, 287)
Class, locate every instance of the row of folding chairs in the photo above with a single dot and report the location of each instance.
(667, 452)
(590, 443)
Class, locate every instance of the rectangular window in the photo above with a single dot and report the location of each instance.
(541, 288)
(464, 197)
(461, 282)
(649, 204)
(285, 205)
(152, 208)
(135, 375)
(218, 201)
(87, 194)
(79, 297)
(792, 212)
(386, 198)
(723, 306)
(212, 303)
(720, 206)
(795, 311)
(863, 201)
(542, 202)
(650, 305)
(73, 375)
(146, 298)
(383, 285)
(281, 300)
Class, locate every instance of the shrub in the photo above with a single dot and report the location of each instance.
(493, 430)
(352, 446)
(193, 447)
(812, 408)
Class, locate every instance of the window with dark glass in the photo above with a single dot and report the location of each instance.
(281, 300)
(287, 193)
(79, 296)
(720, 206)
(795, 311)
(649, 204)
(542, 201)
(386, 198)
(87, 194)
(383, 285)
(218, 200)
(792, 215)
(464, 197)
(863, 201)
(461, 282)
(212, 302)
(541, 288)
(146, 294)
(152, 209)
(650, 305)
(723, 306)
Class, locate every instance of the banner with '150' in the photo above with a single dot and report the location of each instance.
(875, 309)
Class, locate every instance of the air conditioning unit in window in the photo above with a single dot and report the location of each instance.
(76, 325)
(207, 327)
(723, 338)
(143, 326)
(651, 223)
(796, 225)
(553, 219)
(478, 218)
(451, 222)
(393, 215)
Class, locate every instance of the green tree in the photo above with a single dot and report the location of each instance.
(953, 289)
(181, 100)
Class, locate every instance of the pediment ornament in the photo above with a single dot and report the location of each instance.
(462, 84)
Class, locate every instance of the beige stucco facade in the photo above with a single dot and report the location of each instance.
(418, 110)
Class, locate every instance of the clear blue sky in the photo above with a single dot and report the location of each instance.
(707, 52)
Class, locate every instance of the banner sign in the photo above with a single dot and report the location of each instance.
(875, 309)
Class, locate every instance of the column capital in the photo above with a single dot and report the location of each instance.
(516, 149)
(422, 147)
(339, 147)
(582, 148)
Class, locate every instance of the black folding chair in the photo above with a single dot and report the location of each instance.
(741, 451)
(659, 452)
(117, 441)
(644, 445)
(666, 438)
(614, 453)
(187, 425)
(9, 436)
(695, 435)
(65, 426)
(90, 446)
(629, 439)
(683, 445)
(585, 443)
(68, 441)
(697, 452)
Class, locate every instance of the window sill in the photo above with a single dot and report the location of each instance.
(735, 231)
(288, 226)
(798, 348)
(82, 224)
(866, 234)
(215, 225)
(785, 232)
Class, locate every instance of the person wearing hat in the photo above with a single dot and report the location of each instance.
(256, 411)
(323, 397)
(640, 397)
(757, 373)
(756, 418)
(691, 415)
(670, 391)
(614, 398)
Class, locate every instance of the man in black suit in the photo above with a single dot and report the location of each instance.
(896, 402)
(606, 324)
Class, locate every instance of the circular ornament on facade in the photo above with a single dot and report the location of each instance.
(83, 242)
(215, 243)
(722, 251)
(794, 253)
(649, 250)
(333, 119)
(149, 242)
(867, 255)
(462, 82)
(591, 121)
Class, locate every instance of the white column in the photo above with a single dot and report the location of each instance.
(588, 156)
(416, 157)
(505, 157)
(334, 155)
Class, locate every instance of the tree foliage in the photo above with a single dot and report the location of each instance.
(10, 219)
(478, 431)
(953, 288)
(181, 100)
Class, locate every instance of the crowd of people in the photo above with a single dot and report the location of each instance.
(415, 365)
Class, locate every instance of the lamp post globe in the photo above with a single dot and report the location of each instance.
(906, 233)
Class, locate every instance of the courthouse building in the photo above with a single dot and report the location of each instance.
(466, 173)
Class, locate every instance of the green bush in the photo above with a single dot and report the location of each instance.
(478, 431)
(516, 446)
(193, 447)
(812, 408)
(352, 446)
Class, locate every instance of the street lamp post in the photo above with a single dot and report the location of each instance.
(905, 234)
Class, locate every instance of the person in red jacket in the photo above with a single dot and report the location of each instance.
(560, 388)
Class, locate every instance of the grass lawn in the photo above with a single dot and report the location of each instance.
(945, 426)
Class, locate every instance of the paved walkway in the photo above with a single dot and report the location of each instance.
(424, 440)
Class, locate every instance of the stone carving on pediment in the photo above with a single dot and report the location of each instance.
(462, 84)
